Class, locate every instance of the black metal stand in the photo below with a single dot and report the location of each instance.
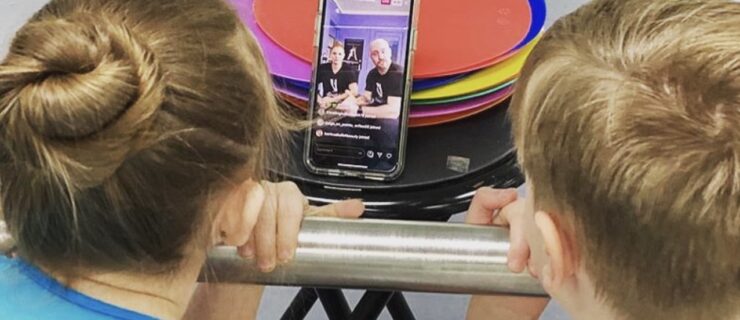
(301, 305)
(335, 304)
(336, 307)
(371, 305)
(399, 308)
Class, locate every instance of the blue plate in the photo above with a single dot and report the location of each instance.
(539, 15)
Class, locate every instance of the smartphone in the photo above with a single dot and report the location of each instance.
(360, 88)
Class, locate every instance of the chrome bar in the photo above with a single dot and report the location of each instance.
(380, 255)
(386, 255)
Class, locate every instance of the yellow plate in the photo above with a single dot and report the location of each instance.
(480, 80)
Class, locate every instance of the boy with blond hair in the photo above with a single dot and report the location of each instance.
(627, 122)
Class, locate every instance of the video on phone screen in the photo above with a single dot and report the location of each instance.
(360, 84)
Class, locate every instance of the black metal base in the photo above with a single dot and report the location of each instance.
(336, 307)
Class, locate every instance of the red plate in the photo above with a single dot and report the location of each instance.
(455, 36)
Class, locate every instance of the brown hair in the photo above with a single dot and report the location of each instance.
(627, 120)
(118, 119)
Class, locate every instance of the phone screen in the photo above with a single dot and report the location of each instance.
(360, 85)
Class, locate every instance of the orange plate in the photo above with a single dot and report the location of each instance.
(455, 36)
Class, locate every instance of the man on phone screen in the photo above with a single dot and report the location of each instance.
(384, 86)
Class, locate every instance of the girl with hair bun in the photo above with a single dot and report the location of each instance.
(133, 137)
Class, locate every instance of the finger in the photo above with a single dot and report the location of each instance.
(503, 216)
(342, 209)
(265, 231)
(291, 203)
(513, 215)
(251, 211)
(510, 212)
(237, 228)
(532, 269)
(247, 251)
(519, 252)
(486, 201)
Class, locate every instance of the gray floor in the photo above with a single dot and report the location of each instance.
(426, 306)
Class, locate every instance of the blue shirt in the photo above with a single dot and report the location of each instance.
(27, 293)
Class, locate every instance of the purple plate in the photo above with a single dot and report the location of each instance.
(280, 62)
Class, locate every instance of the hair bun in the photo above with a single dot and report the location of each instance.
(85, 80)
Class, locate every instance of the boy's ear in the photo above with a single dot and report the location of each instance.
(561, 250)
(237, 214)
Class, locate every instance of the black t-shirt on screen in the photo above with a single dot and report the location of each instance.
(387, 85)
(330, 83)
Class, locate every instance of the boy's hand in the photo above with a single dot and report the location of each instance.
(275, 236)
(500, 207)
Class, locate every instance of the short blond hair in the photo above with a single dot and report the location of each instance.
(627, 120)
(336, 44)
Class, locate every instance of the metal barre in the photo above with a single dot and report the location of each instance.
(387, 255)
(381, 255)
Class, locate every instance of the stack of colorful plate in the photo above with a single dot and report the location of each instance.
(469, 54)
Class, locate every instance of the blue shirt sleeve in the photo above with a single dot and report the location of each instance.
(28, 293)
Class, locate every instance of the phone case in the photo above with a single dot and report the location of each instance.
(408, 81)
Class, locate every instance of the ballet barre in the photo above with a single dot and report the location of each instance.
(380, 255)
(386, 255)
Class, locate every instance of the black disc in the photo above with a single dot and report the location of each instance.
(444, 166)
